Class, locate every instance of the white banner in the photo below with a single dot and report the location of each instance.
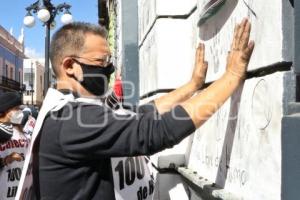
(132, 178)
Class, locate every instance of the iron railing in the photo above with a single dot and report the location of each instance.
(11, 84)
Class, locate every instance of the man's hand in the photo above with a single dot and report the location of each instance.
(200, 69)
(241, 50)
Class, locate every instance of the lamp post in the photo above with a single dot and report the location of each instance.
(31, 83)
(47, 12)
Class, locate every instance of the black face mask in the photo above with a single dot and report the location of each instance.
(96, 78)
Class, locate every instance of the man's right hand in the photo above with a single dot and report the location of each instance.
(241, 50)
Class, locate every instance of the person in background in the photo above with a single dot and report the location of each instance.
(30, 114)
(13, 146)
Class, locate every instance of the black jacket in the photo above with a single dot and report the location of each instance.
(76, 144)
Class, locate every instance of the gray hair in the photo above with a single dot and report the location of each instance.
(69, 40)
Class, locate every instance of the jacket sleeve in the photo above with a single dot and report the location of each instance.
(145, 108)
(92, 132)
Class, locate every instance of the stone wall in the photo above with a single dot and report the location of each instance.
(239, 148)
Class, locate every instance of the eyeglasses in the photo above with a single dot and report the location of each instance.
(104, 61)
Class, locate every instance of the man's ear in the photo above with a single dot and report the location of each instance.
(68, 67)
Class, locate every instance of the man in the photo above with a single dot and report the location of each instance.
(13, 145)
(79, 137)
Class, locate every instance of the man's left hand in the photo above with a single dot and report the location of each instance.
(200, 69)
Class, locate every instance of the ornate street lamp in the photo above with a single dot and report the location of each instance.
(47, 12)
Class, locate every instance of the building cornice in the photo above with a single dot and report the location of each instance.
(11, 43)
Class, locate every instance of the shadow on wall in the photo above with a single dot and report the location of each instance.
(215, 23)
(229, 137)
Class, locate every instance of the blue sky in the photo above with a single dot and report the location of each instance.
(12, 13)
